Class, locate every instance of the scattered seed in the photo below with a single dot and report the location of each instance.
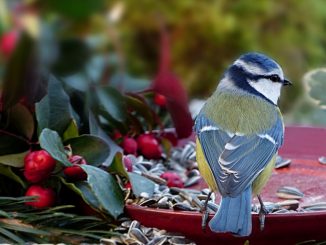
(282, 163)
(289, 192)
(319, 206)
(322, 160)
(192, 181)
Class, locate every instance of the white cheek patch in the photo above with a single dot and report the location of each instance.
(271, 90)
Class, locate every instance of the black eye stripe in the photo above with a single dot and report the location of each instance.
(273, 78)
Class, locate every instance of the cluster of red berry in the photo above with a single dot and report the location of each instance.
(38, 166)
(148, 145)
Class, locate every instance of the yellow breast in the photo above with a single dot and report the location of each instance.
(204, 168)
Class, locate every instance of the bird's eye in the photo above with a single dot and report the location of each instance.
(274, 78)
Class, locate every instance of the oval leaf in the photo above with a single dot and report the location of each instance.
(94, 149)
(84, 190)
(106, 190)
(140, 184)
(14, 160)
(22, 120)
(95, 129)
(51, 142)
(113, 103)
(71, 131)
(54, 110)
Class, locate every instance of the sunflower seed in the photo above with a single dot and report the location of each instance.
(193, 172)
(192, 181)
(282, 163)
(322, 160)
(147, 202)
(158, 240)
(289, 192)
(288, 204)
(319, 206)
(155, 178)
(138, 235)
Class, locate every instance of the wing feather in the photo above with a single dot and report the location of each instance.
(236, 159)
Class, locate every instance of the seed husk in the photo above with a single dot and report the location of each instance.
(282, 163)
(322, 160)
(289, 192)
(319, 206)
(288, 204)
(192, 181)
(138, 235)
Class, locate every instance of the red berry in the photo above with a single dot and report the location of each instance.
(128, 185)
(149, 146)
(129, 145)
(75, 172)
(8, 43)
(38, 166)
(127, 163)
(45, 196)
(173, 179)
(160, 100)
(117, 135)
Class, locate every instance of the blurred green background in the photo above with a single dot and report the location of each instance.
(205, 37)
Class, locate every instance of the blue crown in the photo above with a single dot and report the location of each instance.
(260, 60)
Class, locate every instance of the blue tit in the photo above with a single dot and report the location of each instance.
(239, 131)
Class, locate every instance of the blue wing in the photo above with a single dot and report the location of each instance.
(236, 159)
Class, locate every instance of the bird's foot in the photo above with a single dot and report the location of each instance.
(205, 213)
(204, 220)
(262, 213)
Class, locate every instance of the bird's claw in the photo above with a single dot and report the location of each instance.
(205, 213)
(262, 214)
(204, 220)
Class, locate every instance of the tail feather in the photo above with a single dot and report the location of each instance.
(234, 215)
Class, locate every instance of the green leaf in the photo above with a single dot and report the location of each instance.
(11, 235)
(140, 184)
(71, 131)
(141, 108)
(87, 194)
(14, 160)
(83, 189)
(51, 142)
(12, 144)
(316, 81)
(113, 103)
(21, 119)
(54, 110)
(95, 129)
(117, 165)
(106, 189)
(7, 171)
(94, 149)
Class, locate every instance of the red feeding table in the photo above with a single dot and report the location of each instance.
(303, 145)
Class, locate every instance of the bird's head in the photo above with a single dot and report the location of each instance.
(257, 74)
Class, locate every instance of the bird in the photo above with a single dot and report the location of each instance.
(239, 131)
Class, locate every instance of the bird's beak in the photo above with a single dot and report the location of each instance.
(286, 82)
